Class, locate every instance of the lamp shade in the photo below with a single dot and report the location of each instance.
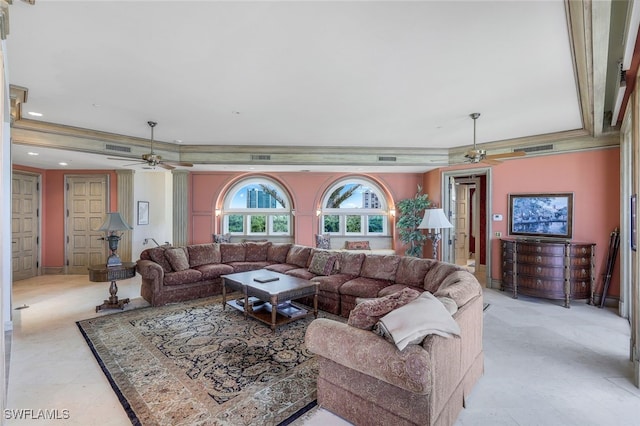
(115, 222)
(434, 219)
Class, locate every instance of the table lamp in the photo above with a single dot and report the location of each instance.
(111, 226)
(434, 219)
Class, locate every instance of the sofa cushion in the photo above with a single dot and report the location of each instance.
(214, 270)
(411, 323)
(380, 267)
(323, 262)
(351, 263)
(281, 267)
(302, 273)
(298, 255)
(367, 313)
(278, 252)
(157, 255)
(232, 252)
(437, 273)
(394, 288)
(412, 270)
(202, 254)
(460, 286)
(363, 287)
(357, 245)
(178, 258)
(331, 283)
(256, 251)
(186, 276)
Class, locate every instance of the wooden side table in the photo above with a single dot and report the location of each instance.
(102, 273)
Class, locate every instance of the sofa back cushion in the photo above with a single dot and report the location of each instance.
(203, 254)
(157, 255)
(256, 251)
(232, 252)
(278, 252)
(380, 267)
(351, 263)
(437, 273)
(461, 286)
(178, 258)
(412, 270)
(298, 255)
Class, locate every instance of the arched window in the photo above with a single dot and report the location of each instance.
(257, 206)
(354, 206)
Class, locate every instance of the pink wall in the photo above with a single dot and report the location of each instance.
(592, 176)
(306, 190)
(53, 217)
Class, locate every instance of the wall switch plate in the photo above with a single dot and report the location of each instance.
(498, 234)
(497, 217)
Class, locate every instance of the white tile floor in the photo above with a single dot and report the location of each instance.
(544, 364)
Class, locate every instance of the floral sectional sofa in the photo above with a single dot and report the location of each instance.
(173, 274)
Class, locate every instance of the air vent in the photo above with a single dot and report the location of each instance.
(260, 157)
(111, 147)
(383, 158)
(538, 148)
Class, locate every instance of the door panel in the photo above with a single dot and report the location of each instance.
(462, 225)
(87, 198)
(25, 199)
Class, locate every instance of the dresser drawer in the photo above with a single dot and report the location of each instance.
(537, 259)
(536, 248)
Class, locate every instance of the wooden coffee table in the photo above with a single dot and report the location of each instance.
(269, 301)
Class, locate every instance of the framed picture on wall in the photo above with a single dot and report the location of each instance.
(541, 215)
(143, 212)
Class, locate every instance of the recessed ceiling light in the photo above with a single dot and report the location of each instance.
(32, 153)
(177, 140)
(235, 112)
(96, 105)
(35, 114)
(62, 163)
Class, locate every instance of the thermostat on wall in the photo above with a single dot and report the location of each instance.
(497, 217)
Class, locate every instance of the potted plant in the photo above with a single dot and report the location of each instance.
(410, 215)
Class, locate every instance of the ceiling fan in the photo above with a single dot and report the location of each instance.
(476, 155)
(152, 159)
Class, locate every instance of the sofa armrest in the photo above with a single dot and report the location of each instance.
(363, 351)
(151, 272)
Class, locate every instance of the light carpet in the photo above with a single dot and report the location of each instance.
(192, 363)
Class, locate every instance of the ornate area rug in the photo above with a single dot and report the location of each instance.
(194, 364)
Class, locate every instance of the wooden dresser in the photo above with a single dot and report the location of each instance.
(558, 270)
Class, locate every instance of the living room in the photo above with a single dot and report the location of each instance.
(591, 164)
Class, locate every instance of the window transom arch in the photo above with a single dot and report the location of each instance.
(354, 206)
(257, 206)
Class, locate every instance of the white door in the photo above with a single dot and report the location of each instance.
(25, 225)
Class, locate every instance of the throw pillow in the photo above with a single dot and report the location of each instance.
(357, 245)
(323, 262)
(411, 323)
(177, 257)
(222, 238)
(367, 313)
(278, 252)
(256, 251)
(323, 241)
(157, 255)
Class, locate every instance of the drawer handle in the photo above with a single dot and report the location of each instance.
(538, 259)
(583, 272)
(538, 249)
(538, 282)
(584, 250)
(538, 270)
(583, 260)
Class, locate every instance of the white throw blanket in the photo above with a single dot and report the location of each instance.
(420, 317)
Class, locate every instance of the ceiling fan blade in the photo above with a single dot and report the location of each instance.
(178, 163)
(166, 166)
(490, 161)
(134, 164)
(121, 158)
(507, 155)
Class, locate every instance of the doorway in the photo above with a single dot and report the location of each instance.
(87, 203)
(466, 199)
(25, 225)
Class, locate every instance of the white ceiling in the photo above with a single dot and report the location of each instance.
(295, 73)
